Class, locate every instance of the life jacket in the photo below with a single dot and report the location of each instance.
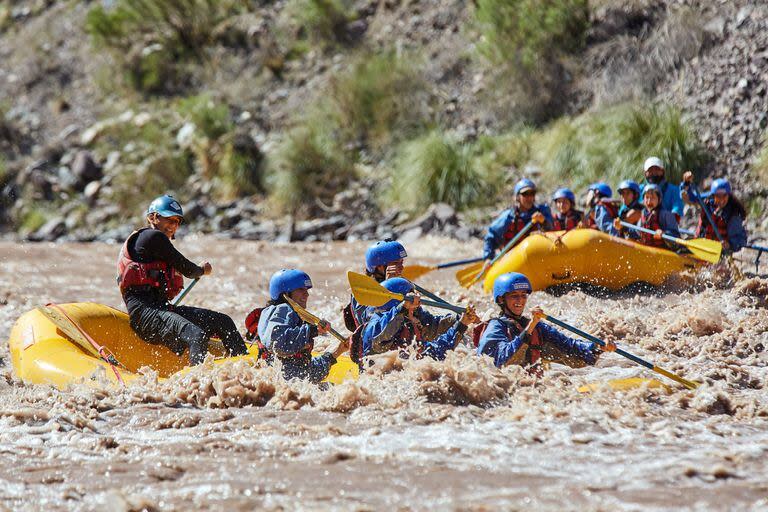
(532, 353)
(650, 220)
(252, 334)
(156, 274)
(624, 209)
(518, 224)
(609, 205)
(720, 218)
(350, 320)
(568, 221)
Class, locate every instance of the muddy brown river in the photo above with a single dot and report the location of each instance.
(411, 435)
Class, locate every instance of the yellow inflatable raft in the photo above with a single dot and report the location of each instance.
(49, 345)
(588, 256)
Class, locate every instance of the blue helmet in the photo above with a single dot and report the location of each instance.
(510, 282)
(601, 188)
(523, 185)
(166, 206)
(564, 193)
(396, 285)
(720, 185)
(287, 280)
(383, 252)
(629, 185)
(652, 187)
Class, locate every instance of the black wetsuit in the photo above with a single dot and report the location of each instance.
(177, 327)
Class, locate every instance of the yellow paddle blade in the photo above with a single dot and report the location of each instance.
(467, 275)
(303, 313)
(69, 330)
(413, 272)
(368, 292)
(704, 249)
(624, 385)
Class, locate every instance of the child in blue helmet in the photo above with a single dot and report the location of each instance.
(383, 260)
(602, 209)
(511, 338)
(513, 220)
(287, 336)
(631, 208)
(655, 218)
(728, 213)
(398, 324)
(567, 217)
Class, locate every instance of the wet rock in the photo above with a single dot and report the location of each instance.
(49, 231)
(318, 227)
(67, 179)
(365, 230)
(85, 168)
(355, 30)
(117, 235)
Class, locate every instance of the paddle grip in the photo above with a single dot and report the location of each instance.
(459, 263)
(185, 291)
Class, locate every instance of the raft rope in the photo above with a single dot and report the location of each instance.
(104, 352)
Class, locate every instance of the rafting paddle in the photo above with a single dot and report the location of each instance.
(312, 319)
(685, 382)
(368, 292)
(701, 248)
(185, 291)
(469, 276)
(411, 272)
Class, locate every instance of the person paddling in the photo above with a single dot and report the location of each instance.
(513, 220)
(728, 213)
(567, 217)
(511, 338)
(383, 260)
(653, 217)
(655, 174)
(399, 324)
(631, 208)
(150, 271)
(289, 338)
(602, 210)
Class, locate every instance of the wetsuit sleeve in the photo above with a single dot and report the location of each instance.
(737, 235)
(693, 196)
(153, 245)
(439, 347)
(604, 220)
(668, 223)
(549, 222)
(587, 351)
(673, 201)
(496, 344)
(495, 235)
(286, 334)
(381, 332)
(435, 325)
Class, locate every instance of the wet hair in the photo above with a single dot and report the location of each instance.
(280, 300)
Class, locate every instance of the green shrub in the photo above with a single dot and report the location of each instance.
(32, 220)
(760, 166)
(322, 21)
(308, 166)
(381, 100)
(528, 42)
(208, 116)
(436, 168)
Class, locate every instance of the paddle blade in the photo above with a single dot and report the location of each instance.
(704, 249)
(303, 313)
(467, 275)
(368, 292)
(624, 385)
(413, 272)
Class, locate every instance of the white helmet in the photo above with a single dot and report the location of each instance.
(652, 162)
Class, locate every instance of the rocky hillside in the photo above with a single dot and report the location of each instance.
(319, 119)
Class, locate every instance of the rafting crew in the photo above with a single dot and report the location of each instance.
(567, 217)
(383, 260)
(602, 209)
(655, 174)
(511, 338)
(511, 221)
(400, 324)
(631, 208)
(289, 338)
(727, 212)
(653, 217)
(151, 273)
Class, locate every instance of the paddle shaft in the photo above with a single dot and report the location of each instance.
(185, 291)
(306, 315)
(642, 362)
(504, 251)
(672, 239)
(429, 293)
(459, 263)
(708, 214)
(443, 305)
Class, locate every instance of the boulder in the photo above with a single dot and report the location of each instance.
(50, 231)
(85, 169)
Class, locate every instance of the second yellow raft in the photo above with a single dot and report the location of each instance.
(588, 256)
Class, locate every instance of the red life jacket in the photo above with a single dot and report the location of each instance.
(609, 205)
(720, 219)
(252, 333)
(156, 274)
(532, 355)
(650, 220)
(568, 221)
(515, 226)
